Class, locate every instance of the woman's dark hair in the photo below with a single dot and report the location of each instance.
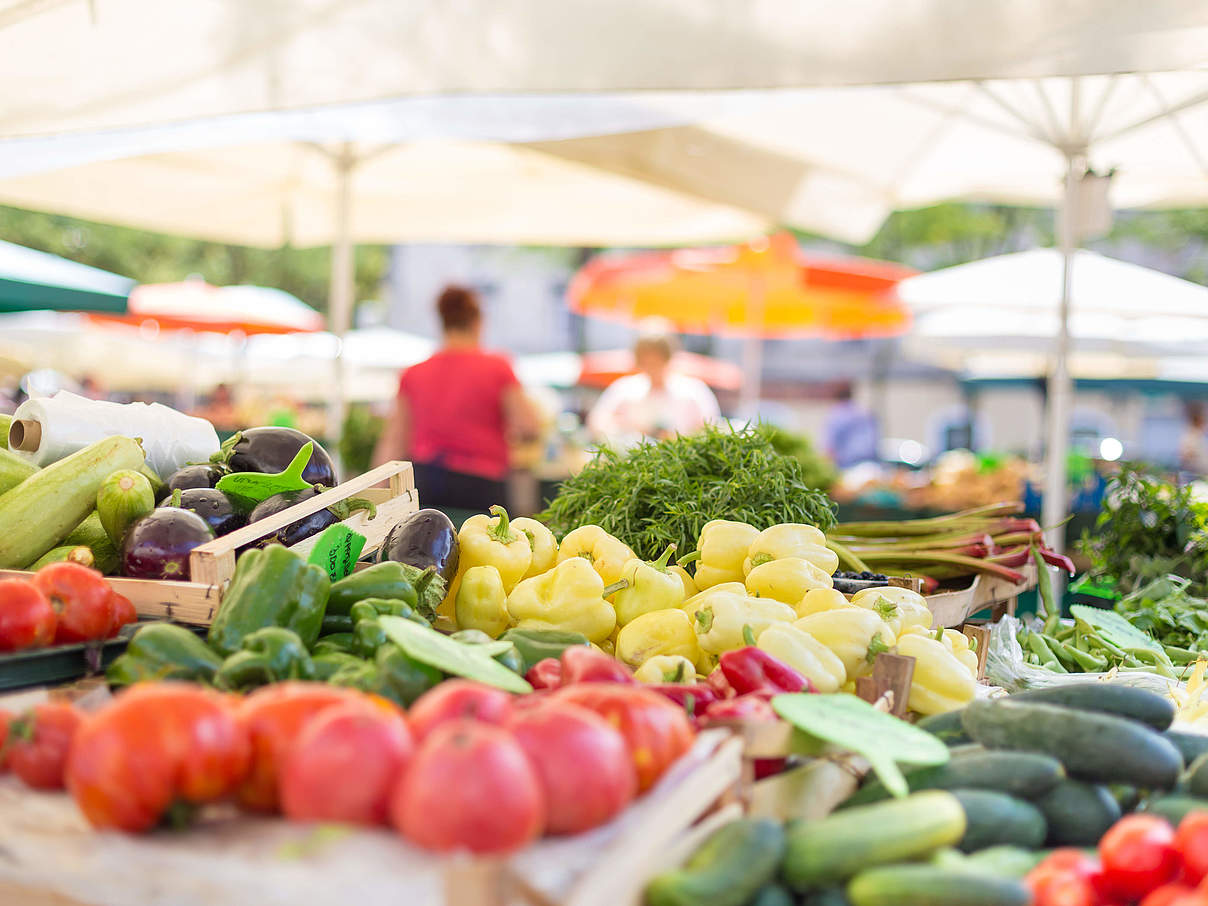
(459, 308)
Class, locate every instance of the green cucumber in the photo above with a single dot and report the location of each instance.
(1196, 778)
(13, 470)
(1025, 774)
(1173, 808)
(947, 727)
(39, 513)
(1078, 813)
(1127, 796)
(91, 534)
(730, 867)
(773, 895)
(76, 553)
(1149, 708)
(1190, 745)
(1099, 747)
(996, 819)
(124, 497)
(833, 849)
(825, 896)
(925, 885)
(1011, 862)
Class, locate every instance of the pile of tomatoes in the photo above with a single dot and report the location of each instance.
(63, 603)
(1142, 860)
(467, 767)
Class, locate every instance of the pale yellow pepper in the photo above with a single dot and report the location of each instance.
(693, 604)
(489, 541)
(723, 620)
(805, 654)
(854, 634)
(606, 554)
(481, 601)
(791, 539)
(901, 608)
(819, 600)
(723, 546)
(661, 632)
(543, 543)
(666, 668)
(786, 580)
(651, 587)
(686, 580)
(941, 683)
(956, 642)
(570, 596)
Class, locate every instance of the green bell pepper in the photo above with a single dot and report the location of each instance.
(510, 657)
(329, 663)
(536, 645)
(383, 580)
(268, 655)
(272, 586)
(162, 651)
(336, 643)
(335, 623)
(401, 678)
(367, 634)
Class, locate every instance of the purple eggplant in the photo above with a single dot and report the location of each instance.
(270, 450)
(307, 525)
(198, 476)
(424, 539)
(215, 507)
(158, 545)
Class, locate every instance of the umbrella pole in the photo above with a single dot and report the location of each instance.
(1060, 385)
(342, 289)
(752, 353)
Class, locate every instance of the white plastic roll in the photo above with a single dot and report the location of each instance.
(46, 429)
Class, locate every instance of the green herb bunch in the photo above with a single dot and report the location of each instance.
(660, 493)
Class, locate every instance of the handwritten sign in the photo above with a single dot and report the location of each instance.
(251, 488)
(337, 550)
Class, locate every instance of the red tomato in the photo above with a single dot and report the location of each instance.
(656, 731)
(1172, 895)
(344, 765)
(27, 619)
(153, 746)
(123, 612)
(469, 786)
(272, 718)
(38, 742)
(456, 699)
(1191, 841)
(582, 763)
(581, 664)
(1138, 855)
(545, 674)
(1057, 887)
(80, 597)
(5, 719)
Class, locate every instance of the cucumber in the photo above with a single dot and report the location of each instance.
(1010, 862)
(158, 488)
(833, 849)
(825, 896)
(732, 865)
(91, 534)
(1099, 747)
(1173, 808)
(1024, 774)
(946, 726)
(925, 885)
(13, 470)
(76, 553)
(996, 819)
(1127, 796)
(38, 514)
(125, 496)
(1190, 745)
(1078, 813)
(773, 895)
(1196, 778)
(1142, 705)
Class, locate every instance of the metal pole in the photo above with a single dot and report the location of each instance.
(342, 288)
(1060, 385)
(752, 352)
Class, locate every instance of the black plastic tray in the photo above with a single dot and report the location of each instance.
(61, 663)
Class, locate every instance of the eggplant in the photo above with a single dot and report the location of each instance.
(158, 545)
(215, 507)
(423, 539)
(307, 525)
(197, 476)
(270, 450)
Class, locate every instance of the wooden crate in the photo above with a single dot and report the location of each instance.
(954, 608)
(212, 565)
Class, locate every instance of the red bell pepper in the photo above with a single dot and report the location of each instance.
(717, 681)
(1191, 841)
(752, 706)
(545, 674)
(581, 664)
(751, 670)
(692, 697)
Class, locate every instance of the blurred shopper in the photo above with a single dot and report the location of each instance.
(851, 432)
(456, 412)
(1193, 445)
(656, 402)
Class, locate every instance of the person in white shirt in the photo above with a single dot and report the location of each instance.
(656, 402)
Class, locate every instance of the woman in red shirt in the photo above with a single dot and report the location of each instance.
(455, 413)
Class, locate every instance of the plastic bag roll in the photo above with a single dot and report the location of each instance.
(67, 423)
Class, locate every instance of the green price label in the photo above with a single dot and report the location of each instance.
(251, 488)
(337, 551)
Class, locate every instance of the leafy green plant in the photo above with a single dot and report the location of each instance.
(817, 470)
(360, 435)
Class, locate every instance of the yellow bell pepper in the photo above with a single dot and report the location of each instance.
(791, 539)
(542, 542)
(686, 580)
(854, 634)
(786, 580)
(666, 668)
(651, 587)
(901, 608)
(481, 601)
(722, 618)
(819, 600)
(805, 654)
(657, 633)
(956, 642)
(608, 646)
(484, 541)
(570, 597)
(693, 604)
(606, 554)
(941, 683)
(723, 546)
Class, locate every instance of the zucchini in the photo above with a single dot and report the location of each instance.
(125, 496)
(1127, 796)
(731, 866)
(1190, 745)
(91, 534)
(158, 487)
(1099, 747)
(1196, 778)
(38, 514)
(946, 726)
(996, 819)
(1024, 774)
(1010, 862)
(76, 553)
(1078, 813)
(1142, 705)
(925, 885)
(5, 422)
(1173, 808)
(833, 849)
(13, 470)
